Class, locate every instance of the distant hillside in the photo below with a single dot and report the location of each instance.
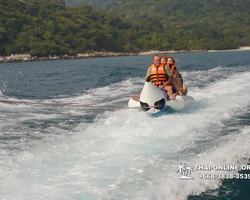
(42, 27)
(189, 19)
(96, 4)
(45, 27)
(184, 10)
(220, 18)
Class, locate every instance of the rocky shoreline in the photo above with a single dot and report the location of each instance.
(28, 57)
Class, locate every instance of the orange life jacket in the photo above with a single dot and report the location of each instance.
(158, 75)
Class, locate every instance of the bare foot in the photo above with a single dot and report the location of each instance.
(135, 97)
(184, 90)
(172, 97)
(180, 93)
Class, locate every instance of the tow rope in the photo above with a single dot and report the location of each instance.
(66, 105)
(69, 105)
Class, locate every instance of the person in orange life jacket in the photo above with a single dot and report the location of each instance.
(176, 83)
(161, 76)
(177, 78)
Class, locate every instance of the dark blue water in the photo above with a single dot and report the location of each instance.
(54, 152)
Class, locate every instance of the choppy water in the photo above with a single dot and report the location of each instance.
(51, 152)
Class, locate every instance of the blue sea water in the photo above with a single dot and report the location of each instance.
(53, 152)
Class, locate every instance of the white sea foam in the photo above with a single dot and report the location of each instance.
(127, 154)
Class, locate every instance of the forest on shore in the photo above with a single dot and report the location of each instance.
(47, 27)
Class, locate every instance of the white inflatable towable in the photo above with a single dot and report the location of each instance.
(154, 100)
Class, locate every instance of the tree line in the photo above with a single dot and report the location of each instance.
(46, 27)
(216, 24)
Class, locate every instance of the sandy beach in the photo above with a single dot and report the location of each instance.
(239, 49)
(190, 51)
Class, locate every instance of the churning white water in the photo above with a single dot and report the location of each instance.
(124, 154)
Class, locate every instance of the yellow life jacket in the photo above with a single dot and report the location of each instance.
(158, 75)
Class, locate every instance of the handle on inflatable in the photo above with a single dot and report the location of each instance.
(148, 79)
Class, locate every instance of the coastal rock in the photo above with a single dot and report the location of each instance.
(2, 59)
(17, 58)
(28, 57)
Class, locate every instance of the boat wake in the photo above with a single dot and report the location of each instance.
(74, 153)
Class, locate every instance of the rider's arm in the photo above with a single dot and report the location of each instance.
(170, 76)
(169, 81)
(177, 73)
(148, 72)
